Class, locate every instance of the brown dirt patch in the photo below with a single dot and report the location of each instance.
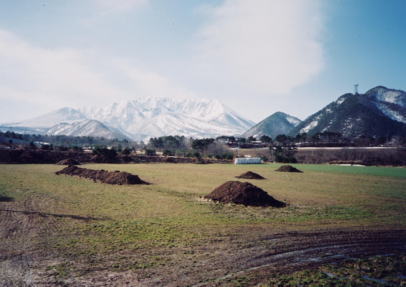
(288, 168)
(243, 193)
(68, 161)
(250, 175)
(104, 176)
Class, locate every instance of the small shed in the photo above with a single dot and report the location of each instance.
(248, 160)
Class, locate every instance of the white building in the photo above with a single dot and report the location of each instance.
(248, 160)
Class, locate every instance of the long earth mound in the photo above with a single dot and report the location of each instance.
(288, 168)
(243, 193)
(250, 175)
(104, 176)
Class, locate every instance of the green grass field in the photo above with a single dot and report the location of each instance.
(170, 212)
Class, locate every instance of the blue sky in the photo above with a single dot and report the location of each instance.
(256, 56)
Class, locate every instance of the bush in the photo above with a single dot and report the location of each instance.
(285, 154)
(46, 147)
(62, 148)
(226, 155)
(168, 153)
(107, 154)
(126, 151)
(77, 149)
(150, 152)
(197, 155)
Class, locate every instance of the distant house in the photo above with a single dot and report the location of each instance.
(248, 160)
(39, 143)
(2, 146)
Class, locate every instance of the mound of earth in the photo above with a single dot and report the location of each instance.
(104, 176)
(243, 193)
(250, 175)
(288, 168)
(68, 161)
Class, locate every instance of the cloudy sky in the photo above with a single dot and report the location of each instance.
(256, 56)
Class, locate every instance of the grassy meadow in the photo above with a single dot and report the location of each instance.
(170, 212)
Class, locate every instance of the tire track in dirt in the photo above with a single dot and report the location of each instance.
(310, 253)
(25, 234)
(17, 235)
(257, 252)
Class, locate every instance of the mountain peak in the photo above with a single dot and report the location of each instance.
(65, 114)
(377, 89)
(378, 112)
(279, 113)
(66, 110)
(276, 124)
(85, 128)
(142, 118)
(387, 96)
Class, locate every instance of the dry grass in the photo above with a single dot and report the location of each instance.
(169, 213)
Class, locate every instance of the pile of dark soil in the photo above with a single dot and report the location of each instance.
(68, 161)
(104, 176)
(243, 193)
(288, 168)
(250, 175)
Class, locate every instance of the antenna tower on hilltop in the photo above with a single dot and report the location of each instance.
(356, 89)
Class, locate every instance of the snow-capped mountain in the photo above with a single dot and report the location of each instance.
(274, 125)
(67, 115)
(390, 102)
(141, 119)
(378, 112)
(64, 121)
(153, 117)
(90, 128)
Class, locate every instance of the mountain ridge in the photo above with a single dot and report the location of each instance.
(273, 125)
(142, 118)
(378, 112)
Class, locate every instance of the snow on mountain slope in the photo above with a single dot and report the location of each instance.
(293, 120)
(378, 112)
(390, 102)
(91, 128)
(393, 112)
(143, 118)
(48, 120)
(384, 94)
(274, 125)
(151, 117)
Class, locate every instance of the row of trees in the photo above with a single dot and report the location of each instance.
(63, 141)
(189, 147)
(328, 139)
(283, 148)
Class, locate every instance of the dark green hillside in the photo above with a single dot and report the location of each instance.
(379, 112)
(274, 125)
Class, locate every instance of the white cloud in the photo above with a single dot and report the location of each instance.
(261, 45)
(150, 84)
(246, 47)
(48, 76)
(67, 77)
(108, 6)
